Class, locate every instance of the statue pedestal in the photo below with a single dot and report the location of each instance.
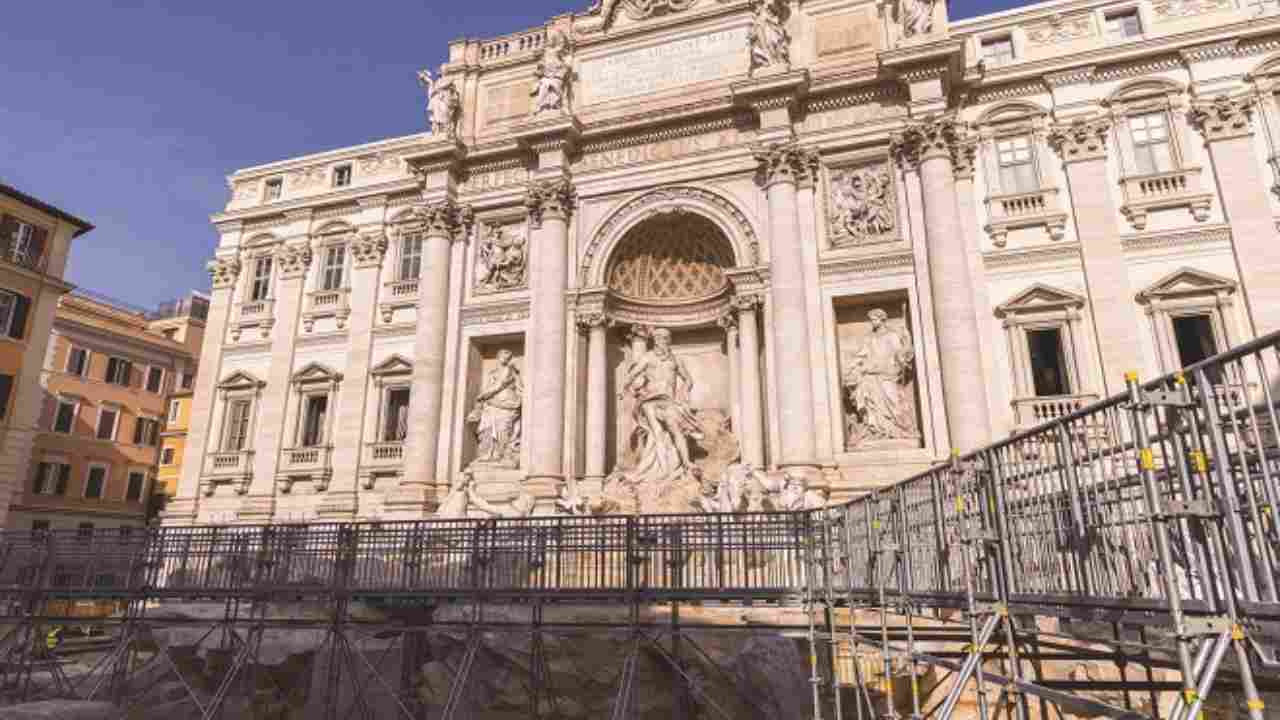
(496, 484)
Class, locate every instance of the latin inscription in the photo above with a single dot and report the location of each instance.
(658, 151)
(495, 179)
(663, 67)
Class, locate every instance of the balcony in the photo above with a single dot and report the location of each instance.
(253, 314)
(1025, 209)
(1029, 412)
(1161, 191)
(327, 303)
(230, 467)
(256, 309)
(305, 463)
(382, 454)
(398, 294)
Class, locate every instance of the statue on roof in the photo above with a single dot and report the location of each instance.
(444, 103)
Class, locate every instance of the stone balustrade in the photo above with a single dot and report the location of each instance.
(314, 458)
(1161, 191)
(1025, 209)
(382, 454)
(1029, 412)
(256, 309)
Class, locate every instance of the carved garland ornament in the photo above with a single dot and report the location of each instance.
(223, 272)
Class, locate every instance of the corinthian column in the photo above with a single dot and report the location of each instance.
(780, 167)
(596, 324)
(440, 224)
(929, 144)
(550, 203)
(749, 381)
(1227, 125)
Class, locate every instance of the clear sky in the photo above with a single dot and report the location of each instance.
(130, 113)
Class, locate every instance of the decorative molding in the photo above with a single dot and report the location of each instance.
(923, 139)
(862, 265)
(443, 218)
(494, 312)
(1223, 117)
(1073, 76)
(223, 272)
(258, 224)
(783, 162)
(1220, 234)
(1009, 90)
(293, 260)
(368, 249)
(858, 96)
(1059, 28)
(594, 319)
(502, 258)
(1081, 139)
(1031, 256)
(862, 204)
(553, 198)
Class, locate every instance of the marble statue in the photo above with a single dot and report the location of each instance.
(862, 200)
(455, 503)
(444, 105)
(875, 384)
(463, 502)
(497, 415)
(915, 17)
(552, 89)
(767, 38)
(660, 384)
(503, 260)
(795, 496)
(570, 502)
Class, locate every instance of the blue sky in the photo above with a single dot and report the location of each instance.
(130, 113)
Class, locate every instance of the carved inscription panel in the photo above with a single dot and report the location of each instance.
(673, 64)
(658, 151)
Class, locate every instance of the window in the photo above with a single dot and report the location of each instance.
(6, 391)
(188, 380)
(28, 245)
(166, 456)
(1017, 171)
(65, 416)
(1048, 364)
(119, 371)
(397, 417)
(107, 417)
(51, 478)
(315, 407)
(174, 408)
(137, 480)
(1123, 25)
(146, 432)
(998, 51)
(342, 176)
(1194, 337)
(170, 333)
(78, 361)
(84, 531)
(95, 480)
(155, 379)
(237, 425)
(39, 526)
(13, 314)
(331, 268)
(410, 258)
(274, 187)
(1151, 149)
(260, 287)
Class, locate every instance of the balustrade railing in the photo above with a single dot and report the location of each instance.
(1028, 412)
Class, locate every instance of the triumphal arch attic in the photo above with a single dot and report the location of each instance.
(708, 255)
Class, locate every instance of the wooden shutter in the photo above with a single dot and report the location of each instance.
(41, 470)
(39, 240)
(21, 308)
(64, 476)
(6, 391)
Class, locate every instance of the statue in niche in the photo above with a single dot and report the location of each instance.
(767, 38)
(444, 104)
(552, 89)
(875, 385)
(916, 17)
(503, 260)
(862, 200)
(660, 384)
(497, 415)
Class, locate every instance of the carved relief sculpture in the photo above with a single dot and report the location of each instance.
(660, 384)
(862, 204)
(915, 17)
(502, 259)
(552, 89)
(767, 39)
(875, 385)
(497, 415)
(444, 104)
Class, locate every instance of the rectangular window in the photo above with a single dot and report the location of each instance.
(51, 478)
(273, 189)
(137, 480)
(174, 408)
(1123, 25)
(65, 416)
(397, 419)
(23, 244)
(77, 361)
(95, 481)
(1151, 149)
(997, 51)
(155, 379)
(1048, 364)
(119, 372)
(237, 426)
(331, 268)
(107, 423)
(342, 176)
(1194, 337)
(6, 393)
(410, 258)
(1017, 171)
(146, 432)
(260, 288)
(187, 380)
(314, 410)
(166, 456)
(13, 314)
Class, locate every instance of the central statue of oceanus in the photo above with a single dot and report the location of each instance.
(660, 385)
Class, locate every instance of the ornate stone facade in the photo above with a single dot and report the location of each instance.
(691, 255)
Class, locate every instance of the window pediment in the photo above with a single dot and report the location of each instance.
(1186, 282)
(240, 380)
(1040, 298)
(394, 365)
(315, 373)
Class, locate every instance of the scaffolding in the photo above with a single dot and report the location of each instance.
(1140, 533)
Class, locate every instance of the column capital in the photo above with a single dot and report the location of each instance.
(746, 303)
(787, 162)
(550, 198)
(293, 259)
(1081, 139)
(921, 140)
(443, 218)
(588, 321)
(1223, 117)
(223, 271)
(368, 249)
(963, 155)
(728, 321)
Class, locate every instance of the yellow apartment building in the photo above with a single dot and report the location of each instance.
(35, 239)
(183, 321)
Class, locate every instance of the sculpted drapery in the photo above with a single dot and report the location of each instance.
(497, 415)
(875, 384)
(660, 384)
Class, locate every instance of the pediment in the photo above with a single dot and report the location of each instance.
(1038, 298)
(1187, 281)
(394, 365)
(240, 380)
(315, 372)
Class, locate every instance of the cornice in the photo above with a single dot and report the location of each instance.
(491, 312)
(850, 97)
(1057, 252)
(672, 131)
(347, 195)
(329, 156)
(1218, 234)
(862, 265)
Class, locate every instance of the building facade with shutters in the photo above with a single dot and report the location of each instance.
(642, 242)
(35, 240)
(110, 373)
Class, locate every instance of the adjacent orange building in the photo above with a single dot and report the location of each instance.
(110, 373)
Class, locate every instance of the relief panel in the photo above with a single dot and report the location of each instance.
(878, 385)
